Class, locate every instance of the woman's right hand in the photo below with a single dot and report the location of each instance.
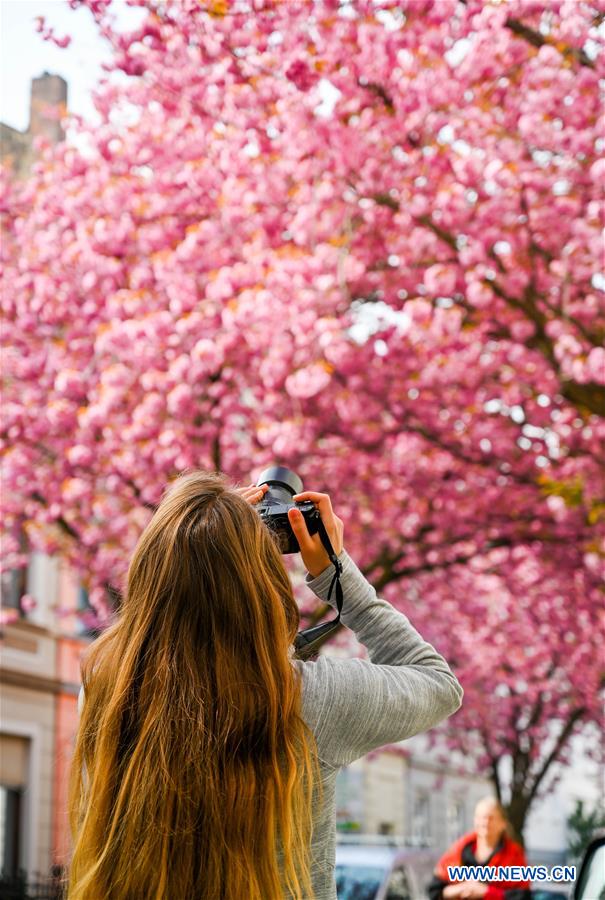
(312, 550)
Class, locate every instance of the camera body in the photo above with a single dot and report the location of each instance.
(273, 508)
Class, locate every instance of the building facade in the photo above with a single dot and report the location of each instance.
(407, 792)
(48, 102)
(404, 792)
(39, 684)
(38, 668)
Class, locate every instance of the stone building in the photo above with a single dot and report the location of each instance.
(404, 792)
(48, 103)
(39, 684)
(40, 652)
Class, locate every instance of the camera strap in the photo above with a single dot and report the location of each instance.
(323, 534)
(308, 641)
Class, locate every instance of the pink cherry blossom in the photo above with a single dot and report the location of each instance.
(365, 247)
(308, 381)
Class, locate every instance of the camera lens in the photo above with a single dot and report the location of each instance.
(283, 483)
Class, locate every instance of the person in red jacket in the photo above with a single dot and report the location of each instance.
(488, 845)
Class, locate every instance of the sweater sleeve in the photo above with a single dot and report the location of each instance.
(354, 705)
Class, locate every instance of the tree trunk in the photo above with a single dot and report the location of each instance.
(516, 812)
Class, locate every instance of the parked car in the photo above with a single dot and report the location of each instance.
(590, 881)
(383, 872)
(539, 893)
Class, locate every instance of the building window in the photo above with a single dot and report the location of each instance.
(82, 608)
(14, 767)
(11, 804)
(349, 800)
(13, 586)
(13, 582)
(421, 819)
(456, 818)
(86, 618)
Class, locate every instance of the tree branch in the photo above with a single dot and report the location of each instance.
(496, 778)
(539, 40)
(61, 522)
(379, 91)
(552, 756)
(390, 575)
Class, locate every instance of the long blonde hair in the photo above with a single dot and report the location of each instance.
(193, 771)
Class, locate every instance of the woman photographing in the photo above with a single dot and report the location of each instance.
(488, 845)
(206, 757)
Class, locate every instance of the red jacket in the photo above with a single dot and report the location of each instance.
(509, 854)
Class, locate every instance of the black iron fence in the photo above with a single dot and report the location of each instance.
(20, 886)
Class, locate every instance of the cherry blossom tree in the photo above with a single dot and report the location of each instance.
(361, 239)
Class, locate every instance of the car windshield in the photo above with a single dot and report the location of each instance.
(593, 878)
(358, 882)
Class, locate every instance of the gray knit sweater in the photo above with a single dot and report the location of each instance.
(354, 705)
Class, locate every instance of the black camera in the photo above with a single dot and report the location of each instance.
(273, 508)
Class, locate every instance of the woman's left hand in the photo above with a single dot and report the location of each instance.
(453, 891)
(474, 890)
(252, 493)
